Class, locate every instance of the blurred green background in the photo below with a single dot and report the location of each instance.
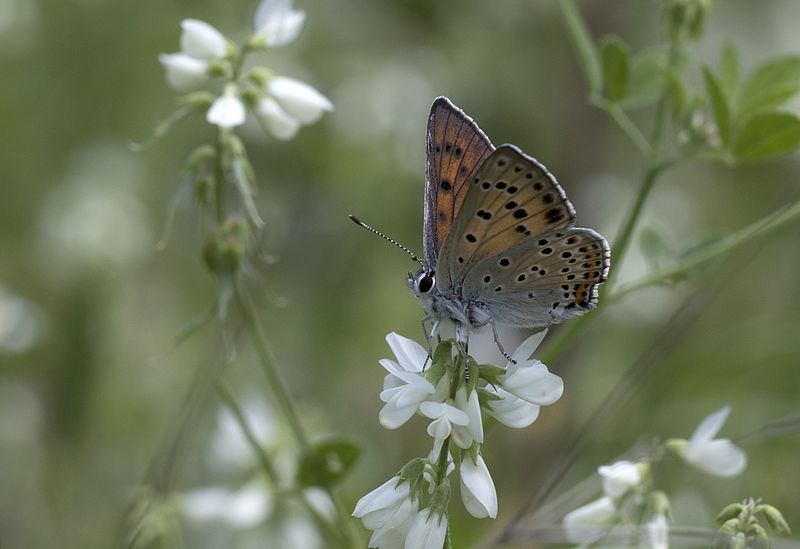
(91, 382)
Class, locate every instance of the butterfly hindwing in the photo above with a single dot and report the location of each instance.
(456, 149)
(511, 198)
(542, 279)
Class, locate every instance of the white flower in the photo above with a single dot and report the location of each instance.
(201, 40)
(21, 323)
(244, 508)
(477, 489)
(278, 123)
(528, 378)
(298, 99)
(227, 110)
(276, 23)
(590, 522)
(444, 416)
(619, 477)
(427, 531)
(184, 72)
(388, 510)
(656, 533)
(229, 448)
(718, 457)
(403, 388)
(473, 431)
(511, 410)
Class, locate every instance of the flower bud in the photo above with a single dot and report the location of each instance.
(775, 519)
(184, 72)
(201, 40)
(226, 245)
(298, 99)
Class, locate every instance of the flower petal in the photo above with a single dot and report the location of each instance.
(528, 347)
(477, 488)
(278, 123)
(277, 23)
(410, 354)
(619, 477)
(534, 383)
(199, 39)
(427, 531)
(385, 495)
(184, 72)
(512, 411)
(590, 522)
(227, 111)
(710, 426)
(299, 100)
(718, 457)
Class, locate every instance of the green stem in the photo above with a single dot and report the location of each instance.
(219, 174)
(767, 224)
(584, 45)
(288, 409)
(624, 122)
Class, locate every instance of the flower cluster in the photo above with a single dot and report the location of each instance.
(281, 104)
(410, 509)
(628, 493)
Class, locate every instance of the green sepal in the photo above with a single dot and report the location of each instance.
(730, 526)
(199, 157)
(226, 245)
(412, 472)
(729, 512)
(327, 462)
(757, 530)
(491, 373)
(659, 503)
(199, 100)
(676, 446)
(441, 498)
(485, 396)
(774, 519)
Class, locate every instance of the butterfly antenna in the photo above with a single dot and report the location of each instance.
(411, 254)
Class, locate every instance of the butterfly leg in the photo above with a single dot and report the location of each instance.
(462, 340)
(434, 331)
(500, 345)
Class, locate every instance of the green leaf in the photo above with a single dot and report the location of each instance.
(677, 96)
(769, 85)
(614, 56)
(766, 136)
(653, 247)
(720, 104)
(648, 70)
(327, 462)
(584, 45)
(729, 70)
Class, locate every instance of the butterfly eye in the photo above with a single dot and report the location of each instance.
(426, 283)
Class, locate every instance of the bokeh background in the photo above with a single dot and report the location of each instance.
(92, 384)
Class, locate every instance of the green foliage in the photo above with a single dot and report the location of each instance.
(720, 105)
(766, 136)
(327, 462)
(769, 85)
(614, 54)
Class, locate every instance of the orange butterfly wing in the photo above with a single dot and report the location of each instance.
(456, 150)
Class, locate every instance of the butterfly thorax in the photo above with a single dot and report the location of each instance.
(443, 305)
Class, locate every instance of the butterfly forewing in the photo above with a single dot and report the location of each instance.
(542, 279)
(456, 150)
(511, 198)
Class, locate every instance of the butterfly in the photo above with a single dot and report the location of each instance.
(500, 245)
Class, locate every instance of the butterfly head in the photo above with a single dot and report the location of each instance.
(422, 283)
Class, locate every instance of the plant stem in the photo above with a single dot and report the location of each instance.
(219, 175)
(287, 407)
(624, 122)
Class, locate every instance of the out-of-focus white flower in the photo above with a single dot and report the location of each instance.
(427, 531)
(184, 72)
(388, 510)
(277, 122)
(229, 447)
(201, 40)
(276, 23)
(473, 431)
(529, 379)
(245, 508)
(477, 489)
(444, 416)
(20, 323)
(298, 99)
(718, 457)
(590, 522)
(656, 533)
(619, 477)
(511, 410)
(404, 389)
(227, 111)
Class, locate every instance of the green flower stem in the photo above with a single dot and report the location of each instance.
(287, 407)
(219, 174)
(624, 122)
(229, 399)
(723, 246)
(584, 45)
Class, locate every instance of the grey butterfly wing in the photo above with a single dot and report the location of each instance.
(542, 279)
(511, 198)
